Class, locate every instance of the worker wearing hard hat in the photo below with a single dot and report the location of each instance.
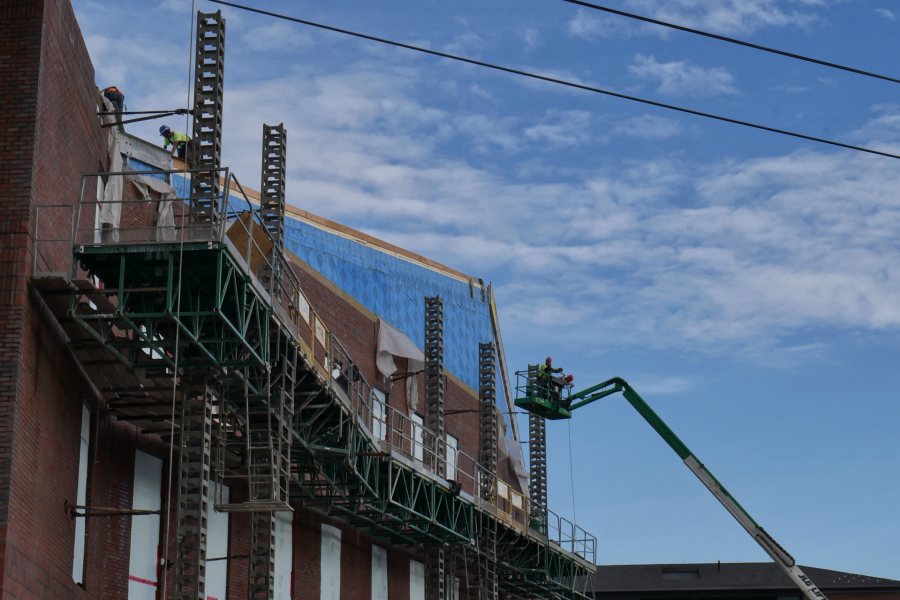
(546, 380)
(117, 99)
(178, 141)
(551, 382)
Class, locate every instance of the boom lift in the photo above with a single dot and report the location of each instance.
(554, 401)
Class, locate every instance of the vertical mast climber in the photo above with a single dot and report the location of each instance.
(195, 459)
(488, 584)
(537, 464)
(206, 154)
(270, 438)
(435, 554)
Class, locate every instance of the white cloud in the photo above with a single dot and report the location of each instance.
(885, 13)
(648, 127)
(180, 6)
(481, 92)
(721, 16)
(653, 386)
(589, 24)
(732, 16)
(561, 128)
(531, 38)
(275, 37)
(468, 43)
(681, 77)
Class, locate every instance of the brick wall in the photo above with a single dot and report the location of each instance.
(20, 44)
(48, 137)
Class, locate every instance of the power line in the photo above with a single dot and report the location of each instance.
(563, 82)
(731, 40)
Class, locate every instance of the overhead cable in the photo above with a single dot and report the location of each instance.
(730, 40)
(154, 114)
(556, 80)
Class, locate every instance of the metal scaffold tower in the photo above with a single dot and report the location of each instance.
(197, 403)
(272, 195)
(488, 588)
(436, 554)
(206, 153)
(537, 467)
(270, 421)
(195, 462)
(268, 399)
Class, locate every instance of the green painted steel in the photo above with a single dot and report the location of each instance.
(655, 422)
(228, 330)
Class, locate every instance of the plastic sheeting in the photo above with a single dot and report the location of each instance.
(379, 573)
(165, 216)
(111, 206)
(143, 562)
(391, 343)
(330, 584)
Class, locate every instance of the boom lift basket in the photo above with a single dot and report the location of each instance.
(540, 396)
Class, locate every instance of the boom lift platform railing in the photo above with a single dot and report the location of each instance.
(540, 395)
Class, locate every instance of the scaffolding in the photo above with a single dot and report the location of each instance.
(268, 395)
(488, 588)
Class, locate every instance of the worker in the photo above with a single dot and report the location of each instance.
(547, 381)
(178, 140)
(117, 99)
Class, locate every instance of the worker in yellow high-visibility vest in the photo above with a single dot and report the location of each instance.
(546, 380)
(178, 141)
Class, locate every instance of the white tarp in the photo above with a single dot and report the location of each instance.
(111, 206)
(217, 547)
(391, 343)
(511, 450)
(416, 580)
(517, 460)
(81, 495)
(165, 217)
(330, 563)
(379, 573)
(284, 554)
(143, 561)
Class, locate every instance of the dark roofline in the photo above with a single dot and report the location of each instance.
(725, 576)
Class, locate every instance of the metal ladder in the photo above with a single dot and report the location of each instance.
(193, 491)
(488, 585)
(271, 203)
(488, 580)
(269, 469)
(206, 153)
(537, 466)
(434, 379)
(435, 554)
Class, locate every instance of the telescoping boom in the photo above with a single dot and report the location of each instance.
(540, 399)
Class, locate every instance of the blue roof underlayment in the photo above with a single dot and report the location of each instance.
(393, 288)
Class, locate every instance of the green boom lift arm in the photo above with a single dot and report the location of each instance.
(540, 402)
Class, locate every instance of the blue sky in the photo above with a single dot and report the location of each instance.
(748, 285)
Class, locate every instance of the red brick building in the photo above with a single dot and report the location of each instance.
(100, 363)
